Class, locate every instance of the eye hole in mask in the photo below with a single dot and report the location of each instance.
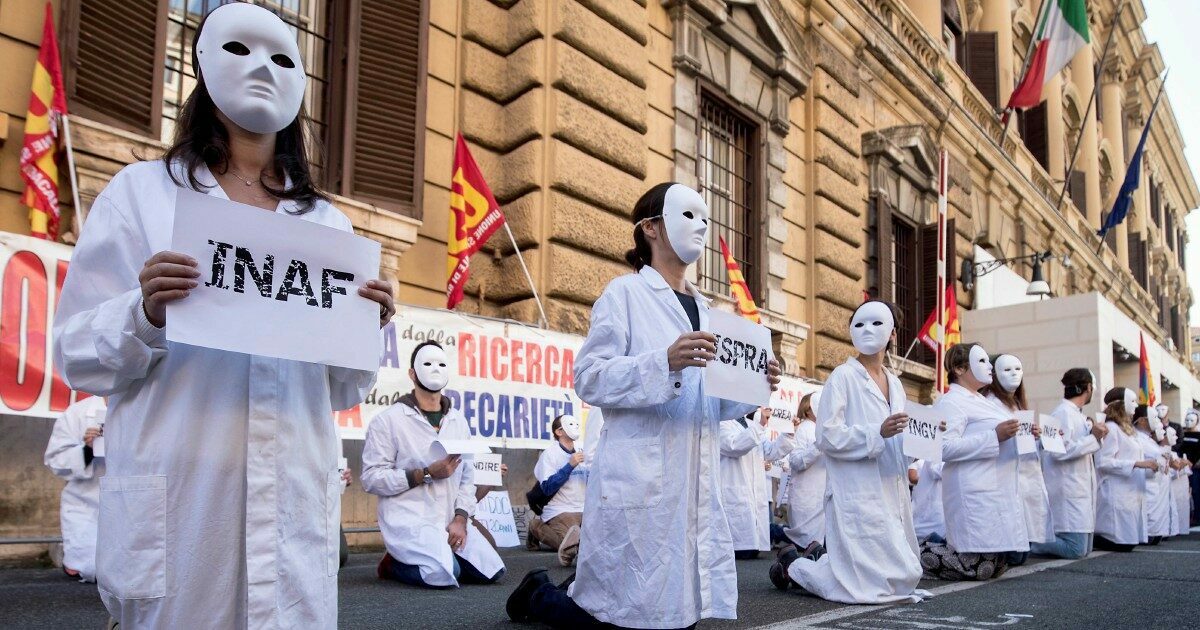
(860, 324)
(237, 48)
(689, 214)
(283, 61)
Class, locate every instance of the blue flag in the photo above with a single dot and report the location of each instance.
(1133, 176)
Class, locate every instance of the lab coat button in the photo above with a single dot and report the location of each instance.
(677, 385)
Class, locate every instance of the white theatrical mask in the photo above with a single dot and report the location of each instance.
(1155, 425)
(252, 67)
(685, 216)
(1162, 410)
(871, 327)
(432, 368)
(981, 368)
(1130, 401)
(1191, 419)
(1010, 372)
(570, 427)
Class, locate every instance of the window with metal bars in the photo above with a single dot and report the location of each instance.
(906, 263)
(727, 168)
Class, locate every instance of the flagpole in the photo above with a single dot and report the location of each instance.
(80, 213)
(1091, 102)
(1162, 85)
(943, 188)
(528, 278)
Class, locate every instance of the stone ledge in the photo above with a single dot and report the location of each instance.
(502, 79)
(592, 35)
(589, 81)
(588, 178)
(627, 15)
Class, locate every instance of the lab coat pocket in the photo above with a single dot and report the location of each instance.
(131, 557)
(333, 523)
(633, 475)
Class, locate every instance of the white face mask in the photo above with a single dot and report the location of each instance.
(871, 327)
(252, 67)
(981, 368)
(1190, 420)
(685, 216)
(1009, 371)
(1130, 402)
(432, 368)
(570, 427)
(1162, 411)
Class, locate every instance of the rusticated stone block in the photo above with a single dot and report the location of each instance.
(587, 227)
(837, 159)
(595, 133)
(502, 128)
(591, 82)
(502, 280)
(564, 316)
(836, 221)
(579, 276)
(834, 252)
(502, 78)
(601, 41)
(832, 352)
(834, 187)
(499, 29)
(627, 15)
(838, 128)
(838, 288)
(511, 174)
(524, 216)
(588, 178)
(837, 65)
(829, 92)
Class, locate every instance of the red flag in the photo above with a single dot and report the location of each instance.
(476, 217)
(738, 287)
(47, 106)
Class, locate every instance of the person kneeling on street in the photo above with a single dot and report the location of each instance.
(562, 477)
(426, 496)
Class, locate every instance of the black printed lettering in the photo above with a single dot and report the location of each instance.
(243, 261)
(220, 253)
(295, 282)
(328, 289)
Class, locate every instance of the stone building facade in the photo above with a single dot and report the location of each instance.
(811, 126)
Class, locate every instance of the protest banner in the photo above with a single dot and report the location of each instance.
(1025, 441)
(495, 513)
(739, 372)
(509, 380)
(923, 435)
(463, 447)
(1052, 434)
(274, 285)
(487, 470)
(32, 272)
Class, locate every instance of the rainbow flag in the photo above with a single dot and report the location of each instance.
(738, 287)
(1145, 380)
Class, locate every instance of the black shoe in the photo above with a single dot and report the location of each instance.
(779, 570)
(565, 584)
(517, 606)
(814, 551)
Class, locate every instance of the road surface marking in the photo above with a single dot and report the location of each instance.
(1166, 551)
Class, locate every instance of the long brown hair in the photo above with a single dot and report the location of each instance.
(648, 206)
(806, 408)
(1012, 400)
(202, 139)
(1114, 409)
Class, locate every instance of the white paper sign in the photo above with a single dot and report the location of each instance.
(782, 412)
(1052, 434)
(774, 470)
(739, 373)
(496, 514)
(464, 447)
(487, 470)
(274, 285)
(98, 446)
(923, 435)
(1025, 442)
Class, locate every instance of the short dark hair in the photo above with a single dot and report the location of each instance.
(557, 424)
(1075, 381)
(412, 360)
(648, 206)
(958, 356)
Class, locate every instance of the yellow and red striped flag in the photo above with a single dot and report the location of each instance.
(47, 107)
(738, 287)
(932, 336)
(476, 216)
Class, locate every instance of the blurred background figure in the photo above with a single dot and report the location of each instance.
(72, 455)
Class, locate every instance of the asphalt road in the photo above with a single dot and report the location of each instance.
(1153, 586)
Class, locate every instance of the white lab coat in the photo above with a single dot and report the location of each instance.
(413, 520)
(806, 488)
(80, 504)
(1119, 514)
(928, 515)
(1181, 496)
(656, 551)
(980, 489)
(1070, 477)
(569, 498)
(745, 492)
(872, 549)
(222, 498)
(1035, 501)
(1157, 504)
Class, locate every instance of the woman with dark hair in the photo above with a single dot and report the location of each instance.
(1120, 517)
(1008, 391)
(221, 499)
(656, 551)
(980, 492)
(872, 547)
(1157, 505)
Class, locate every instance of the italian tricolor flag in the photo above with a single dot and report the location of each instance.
(1062, 29)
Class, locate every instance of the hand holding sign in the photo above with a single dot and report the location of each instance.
(691, 349)
(923, 433)
(1052, 434)
(488, 470)
(742, 368)
(1025, 436)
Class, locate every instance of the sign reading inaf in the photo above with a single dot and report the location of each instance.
(274, 285)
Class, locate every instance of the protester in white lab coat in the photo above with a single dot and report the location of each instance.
(872, 549)
(70, 455)
(656, 551)
(1157, 503)
(426, 496)
(562, 476)
(1070, 476)
(1008, 390)
(221, 500)
(806, 481)
(1181, 498)
(981, 495)
(929, 517)
(1120, 464)
(745, 494)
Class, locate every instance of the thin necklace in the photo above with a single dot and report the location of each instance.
(245, 181)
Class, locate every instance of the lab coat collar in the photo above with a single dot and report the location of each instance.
(868, 382)
(964, 391)
(666, 295)
(658, 283)
(209, 182)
